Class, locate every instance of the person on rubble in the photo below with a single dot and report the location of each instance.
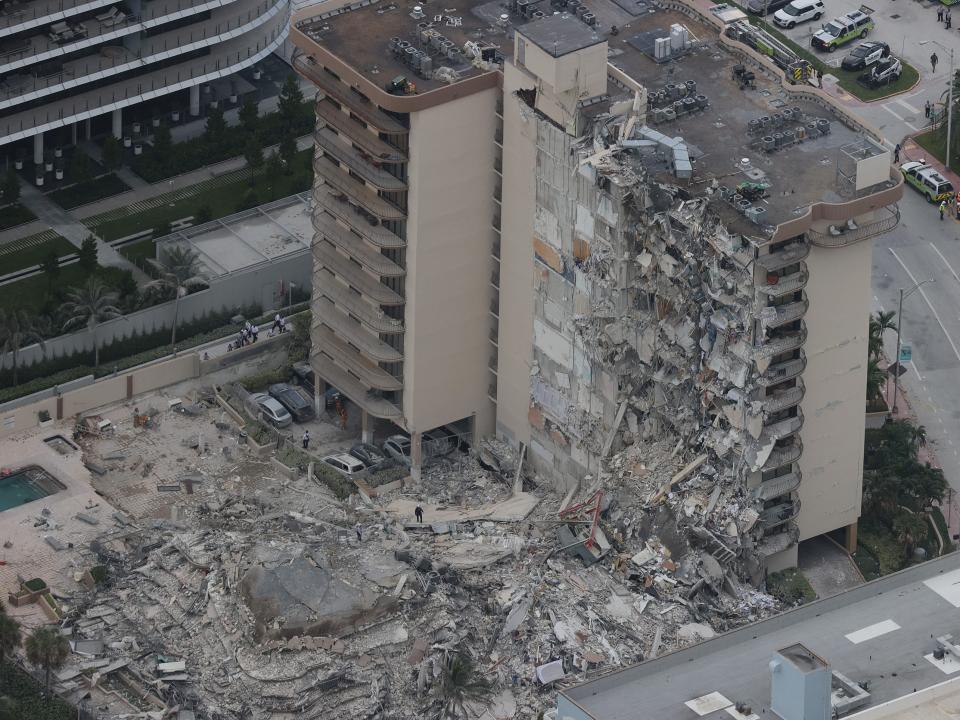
(418, 511)
(359, 529)
(306, 439)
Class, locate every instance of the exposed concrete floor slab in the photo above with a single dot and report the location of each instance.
(828, 568)
(513, 509)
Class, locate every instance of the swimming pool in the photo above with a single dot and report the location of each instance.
(26, 485)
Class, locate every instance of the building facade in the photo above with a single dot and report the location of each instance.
(663, 263)
(66, 62)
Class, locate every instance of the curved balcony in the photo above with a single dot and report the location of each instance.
(770, 489)
(331, 88)
(345, 212)
(364, 196)
(352, 159)
(353, 275)
(354, 389)
(783, 371)
(778, 401)
(787, 255)
(842, 235)
(369, 373)
(783, 428)
(351, 302)
(780, 513)
(788, 313)
(785, 342)
(778, 542)
(784, 455)
(357, 133)
(353, 332)
(786, 285)
(355, 247)
(26, 15)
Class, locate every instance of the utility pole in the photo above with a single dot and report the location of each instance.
(896, 376)
(950, 83)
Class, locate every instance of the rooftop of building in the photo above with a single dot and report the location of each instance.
(560, 34)
(880, 635)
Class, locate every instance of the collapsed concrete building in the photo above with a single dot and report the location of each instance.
(679, 251)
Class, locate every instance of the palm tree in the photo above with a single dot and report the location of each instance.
(179, 272)
(460, 684)
(10, 635)
(48, 650)
(911, 529)
(876, 379)
(879, 324)
(89, 306)
(17, 329)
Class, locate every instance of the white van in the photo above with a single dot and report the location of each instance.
(798, 11)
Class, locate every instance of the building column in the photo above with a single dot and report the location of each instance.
(73, 133)
(117, 118)
(87, 131)
(38, 149)
(851, 537)
(317, 396)
(195, 100)
(366, 427)
(416, 456)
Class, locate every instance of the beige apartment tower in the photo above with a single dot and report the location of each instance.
(538, 220)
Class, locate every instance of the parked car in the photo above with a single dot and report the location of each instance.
(764, 7)
(344, 464)
(398, 447)
(882, 72)
(865, 54)
(370, 455)
(927, 181)
(294, 401)
(798, 11)
(302, 374)
(844, 29)
(273, 411)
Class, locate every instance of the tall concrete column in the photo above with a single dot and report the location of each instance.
(117, 118)
(73, 133)
(851, 537)
(416, 456)
(366, 427)
(86, 130)
(195, 100)
(38, 149)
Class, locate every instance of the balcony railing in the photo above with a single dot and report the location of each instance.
(770, 489)
(784, 399)
(347, 357)
(784, 455)
(778, 542)
(353, 332)
(788, 313)
(783, 343)
(841, 235)
(326, 285)
(348, 156)
(353, 275)
(337, 206)
(365, 197)
(787, 284)
(783, 371)
(357, 248)
(781, 513)
(783, 428)
(353, 388)
(787, 255)
(496, 222)
(328, 112)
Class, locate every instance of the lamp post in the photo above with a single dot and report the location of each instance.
(903, 294)
(290, 287)
(946, 155)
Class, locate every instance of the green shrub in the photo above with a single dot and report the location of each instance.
(341, 486)
(26, 694)
(888, 553)
(387, 475)
(790, 586)
(11, 392)
(261, 381)
(292, 457)
(35, 584)
(99, 574)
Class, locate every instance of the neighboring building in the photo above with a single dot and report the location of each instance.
(863, 654)
(66, 62)
(627, 291)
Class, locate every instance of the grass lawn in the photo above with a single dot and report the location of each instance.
(790, 586)
(13, 215)
(221, 200)
(29, 253)
(89, 191)
(30, 293)
(935, 143)
(846, 79)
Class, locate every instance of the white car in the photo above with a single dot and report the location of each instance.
(272, 410)
(797, 12)
(345, 464)
(398, 447)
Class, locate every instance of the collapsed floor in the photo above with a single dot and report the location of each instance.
(233, 592)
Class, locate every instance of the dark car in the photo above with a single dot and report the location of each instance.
(302, 374)
(765, 7)
(294, 401)
(370, 455)
(865, 54)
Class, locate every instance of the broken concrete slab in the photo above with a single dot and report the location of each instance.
(89, 519)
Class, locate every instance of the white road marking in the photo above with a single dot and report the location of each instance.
(927, 301)
(911, 108)
(916, 371)
(946, 262)
(872, 631)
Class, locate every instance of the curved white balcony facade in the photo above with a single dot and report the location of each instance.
(229, 50)
(237, 18)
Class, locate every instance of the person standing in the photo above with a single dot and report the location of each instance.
(306, 439)
(949, 19)
(896, 156)
(933, 61)
(418, 511)
(927, 109)
(943, 209)
(254, 331)
(940, 13)
(359, 529)
(276, 322)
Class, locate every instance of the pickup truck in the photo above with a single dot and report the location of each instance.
(844, 29)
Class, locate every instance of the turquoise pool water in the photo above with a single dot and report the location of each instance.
(20, 487)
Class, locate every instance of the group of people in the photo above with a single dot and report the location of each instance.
(250, 332)
(943, 15)
(279, 325)
(945, 206)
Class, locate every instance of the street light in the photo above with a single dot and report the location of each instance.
(290, 287)
(946, 156)
(903, 294)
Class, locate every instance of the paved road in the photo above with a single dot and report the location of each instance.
(922, 247)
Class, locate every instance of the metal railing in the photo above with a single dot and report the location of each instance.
(783, 428)
(783, 400)
(787, 284)
(777, 346)
(783, 371)
(786, 255)
(785, 455)
(845, 236)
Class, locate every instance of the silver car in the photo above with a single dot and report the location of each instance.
(272, 410)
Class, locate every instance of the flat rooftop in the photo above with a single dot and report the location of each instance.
(880, 634)
(560, 34)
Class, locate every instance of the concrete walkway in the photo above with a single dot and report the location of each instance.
(74, 231)
(828, 568)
